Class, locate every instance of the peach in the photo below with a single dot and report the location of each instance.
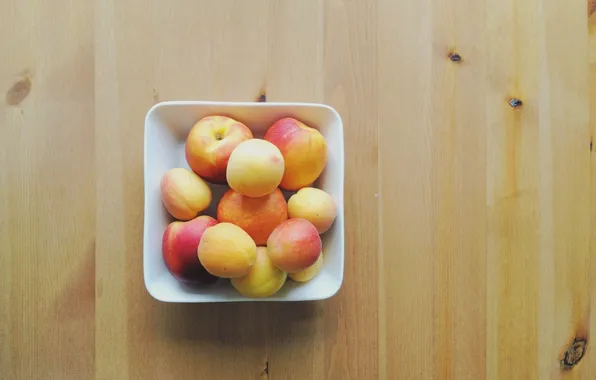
(294, 245)
(304, 150)
(227, 251)
(179, 247)
(308, 273)
(255, 168)
(262, 280)
(184, 194)
(314, 205)
(210, 143)
(257, 216)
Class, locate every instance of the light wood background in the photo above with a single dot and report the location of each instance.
(469, 223)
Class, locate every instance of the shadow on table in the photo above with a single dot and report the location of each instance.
(240, 324)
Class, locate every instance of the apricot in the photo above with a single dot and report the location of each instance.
(255, 168)
(184, 194)
(179, 248)
(262, 280)
(308, 273)
(294, 245)
(257, 216)
(314, 205)
(304, 150)
(210, 144)
(227, 251)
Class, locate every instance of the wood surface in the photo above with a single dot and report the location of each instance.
(469, 237)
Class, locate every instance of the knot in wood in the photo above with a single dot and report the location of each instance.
(574, 354)
(454, 57)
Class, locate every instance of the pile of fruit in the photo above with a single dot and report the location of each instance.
(258, 239)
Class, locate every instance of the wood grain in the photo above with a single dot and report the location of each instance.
(519, 212)
(47, 189)
(469, 217)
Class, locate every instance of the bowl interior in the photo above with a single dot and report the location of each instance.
(166, 127)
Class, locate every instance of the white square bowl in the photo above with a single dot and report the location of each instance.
(167, 125)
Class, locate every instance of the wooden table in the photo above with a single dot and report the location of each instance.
(469, 186)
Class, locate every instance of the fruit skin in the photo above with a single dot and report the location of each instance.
(184, 194)
(210, 144)
(304, 150)
(294, 245)
(262, 280)
(255, 168)
(257, 216)
(308, 273)
(314, 205)
(179, 248)
(227, 251)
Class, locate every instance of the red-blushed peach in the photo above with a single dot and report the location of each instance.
(226, 250)
(314, 205)
(304, 150)
(255, 168)
(179, 248)
(308, 273)
(294, 245)
(184, 194)
(257, 216)
(262, 280)
(210, 143)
